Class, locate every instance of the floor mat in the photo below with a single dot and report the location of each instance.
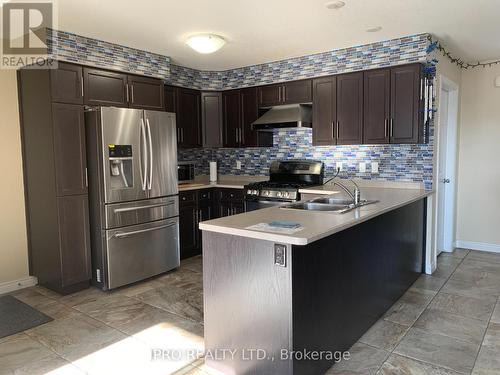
(16, 316)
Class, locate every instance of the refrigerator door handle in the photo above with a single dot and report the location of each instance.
(143, 156)
(127, 234)
(150, 182)
(129, 209)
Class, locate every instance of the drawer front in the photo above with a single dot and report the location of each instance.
(187, 196)
(141, 251)
(131, 213)
(205, 195)
(231, 194)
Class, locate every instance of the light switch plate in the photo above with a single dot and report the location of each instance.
(362, 167)
(339, 166)
(238, 164)
(375, 167)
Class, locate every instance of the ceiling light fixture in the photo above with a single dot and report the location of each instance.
(205, 43)
(374, 29)
(335, 4)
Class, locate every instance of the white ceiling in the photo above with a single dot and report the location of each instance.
(260, 31)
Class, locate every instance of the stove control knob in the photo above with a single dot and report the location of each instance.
(266, 192)
(249, 192)
(256, 192)
(279, 194)
(286, 194)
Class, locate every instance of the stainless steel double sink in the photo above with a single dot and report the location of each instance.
(329, 203)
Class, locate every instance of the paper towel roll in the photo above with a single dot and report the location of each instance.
(213, 171)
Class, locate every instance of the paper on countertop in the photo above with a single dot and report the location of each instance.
(266, 227)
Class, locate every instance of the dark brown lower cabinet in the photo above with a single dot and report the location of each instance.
(74, 239)
(201, 205)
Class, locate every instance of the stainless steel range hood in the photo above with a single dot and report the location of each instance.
(284, 117)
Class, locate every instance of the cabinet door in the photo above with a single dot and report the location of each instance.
(105, 88)
(146, 93)
(377, 94)
(188, 230)
(188, 117)
(249, 113)
(237, 208)
(211, 119)
(405, 100)
(225, 209)
(232, 118)
(69, 149)
(66, 83)
(350, 109)
(74, 239)
(324, 111)
(270, 95)
(297, 92)
(169, 97)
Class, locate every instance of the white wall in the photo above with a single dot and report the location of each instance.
(13, 239)
(478, 199)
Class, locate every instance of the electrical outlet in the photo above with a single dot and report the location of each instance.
(339, 166)
(374, 167)
(362, 167)
(238, 164)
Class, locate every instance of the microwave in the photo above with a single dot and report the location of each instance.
(185, 172)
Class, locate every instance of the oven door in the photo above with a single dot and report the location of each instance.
(252, 205)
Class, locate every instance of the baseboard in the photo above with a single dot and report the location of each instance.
(13, 285)
(482, 246)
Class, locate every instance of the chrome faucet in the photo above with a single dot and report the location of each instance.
(355, 195)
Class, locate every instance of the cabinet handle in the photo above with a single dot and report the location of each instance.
(81, 85)
(132, 93)
(338, 127)
(126, 89)
(200, 215)
(279, 94)
(86, 177)
(392, 127)
(284, 94)
(333, 129)
(385, 127)
(182, 134)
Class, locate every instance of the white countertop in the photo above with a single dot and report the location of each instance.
(230, 182)
(316, 224)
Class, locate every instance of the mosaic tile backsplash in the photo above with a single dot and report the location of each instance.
(70, 47)
(411, 163)
(396, 162)
(369, 56)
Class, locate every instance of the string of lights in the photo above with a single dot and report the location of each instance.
(436, 45)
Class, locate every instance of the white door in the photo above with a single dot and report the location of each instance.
(447, 158)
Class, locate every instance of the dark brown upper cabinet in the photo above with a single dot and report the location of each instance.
(297, 92)
(249, 113)
(169, 97)
(66, 83)
(406, 119)
(350, 109)
(211, 119)
(377, 94)
(69, 149)
(324, 111)
(103, 88)
(146, 93)
(232, 118)
(188, 116)
(285, 93)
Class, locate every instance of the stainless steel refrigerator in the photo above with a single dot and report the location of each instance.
(134, 206)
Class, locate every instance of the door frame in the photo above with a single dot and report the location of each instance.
(451, 156)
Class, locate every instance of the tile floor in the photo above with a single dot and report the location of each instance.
(447, 323)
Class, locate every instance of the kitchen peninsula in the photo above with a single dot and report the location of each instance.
(316, 288)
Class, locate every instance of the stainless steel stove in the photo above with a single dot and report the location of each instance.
(285, 180)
